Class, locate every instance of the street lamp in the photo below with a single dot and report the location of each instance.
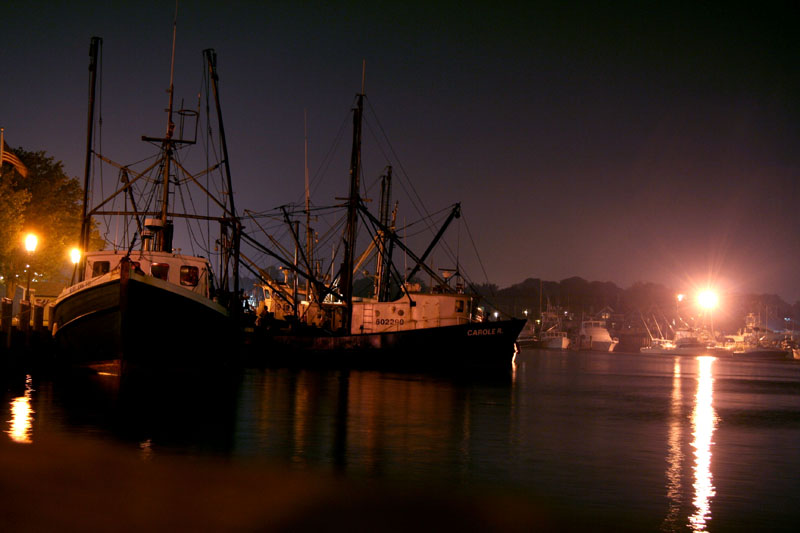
(75, 258)
(708, 300)
(31, 241)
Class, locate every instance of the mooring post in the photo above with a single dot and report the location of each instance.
(24, 316)
(38, 318)
(6, 317)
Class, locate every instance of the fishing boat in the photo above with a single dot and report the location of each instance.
(551, 334)
(402, 328)
(593, 335)
(144, 303)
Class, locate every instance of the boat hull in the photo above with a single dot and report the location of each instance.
(556, 343)
(135, 321)
(473, 345)
(693, 351)
(763, 353)
(598, 346)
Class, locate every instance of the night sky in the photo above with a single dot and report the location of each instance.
(618, 144)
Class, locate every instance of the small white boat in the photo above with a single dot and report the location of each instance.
(554, 340)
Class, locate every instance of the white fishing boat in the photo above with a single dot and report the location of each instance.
(554, 340)
(145, 303)
(593, 335)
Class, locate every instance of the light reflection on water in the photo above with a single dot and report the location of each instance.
(21, 423)
(588, 432)
(704, 420)
(675, 452)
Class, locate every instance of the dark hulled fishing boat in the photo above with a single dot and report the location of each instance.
(327, 325)
(144, 303)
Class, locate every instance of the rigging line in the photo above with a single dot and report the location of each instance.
(325, 165)
(480, 262)
(403, 171)
(189, 225)
(179, 192)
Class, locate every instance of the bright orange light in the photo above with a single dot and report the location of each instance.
(31, 241)
(75, 255)
(707, 299)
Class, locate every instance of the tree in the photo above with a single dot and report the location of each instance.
(12, 208)
(48, 203)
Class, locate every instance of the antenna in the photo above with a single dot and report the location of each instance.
(171, 90)
(363, 75)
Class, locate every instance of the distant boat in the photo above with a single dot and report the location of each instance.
(682, 346)
(593, 335)
(149, 305)
(762, 352)
(550, 334)
(554, 340)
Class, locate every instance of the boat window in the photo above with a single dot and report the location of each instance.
(190, 275)
(99, 268)
(459, 306)
(159, 270)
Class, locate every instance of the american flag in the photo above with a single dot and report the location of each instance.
(11, 157)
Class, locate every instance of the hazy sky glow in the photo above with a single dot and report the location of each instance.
(630, 144)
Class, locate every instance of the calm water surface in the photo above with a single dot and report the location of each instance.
(671, 444)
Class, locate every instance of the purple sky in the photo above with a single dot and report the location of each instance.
(621, 145)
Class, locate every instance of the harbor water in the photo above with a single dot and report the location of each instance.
(617, 441)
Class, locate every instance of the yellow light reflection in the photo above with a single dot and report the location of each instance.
(704, 421)
(21, 423)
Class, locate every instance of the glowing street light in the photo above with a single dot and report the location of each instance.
(31, 240)
(75, 255)
(708, 299)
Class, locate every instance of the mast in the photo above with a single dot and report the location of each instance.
(211, 59)
(94, 47)
(351, 229)
(167, 141)
(309, 232)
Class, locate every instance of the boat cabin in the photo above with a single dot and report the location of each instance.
(189, 272)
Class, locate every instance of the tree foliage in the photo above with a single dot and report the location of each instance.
(48, 203)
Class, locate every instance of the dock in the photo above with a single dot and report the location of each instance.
(25, 339)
